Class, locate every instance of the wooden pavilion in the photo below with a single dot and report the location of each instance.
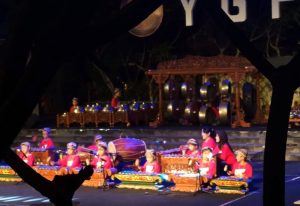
(236, 67)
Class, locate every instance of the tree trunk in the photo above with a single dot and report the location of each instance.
(275, 146)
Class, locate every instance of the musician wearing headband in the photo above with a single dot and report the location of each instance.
(102, 160)
(25, 154)
(71, 160)
(115, 102)
(208, 137)
(192, 149)
(47, 142)
(97, 139)
(206, 166)
(151, 165)
(242, 168)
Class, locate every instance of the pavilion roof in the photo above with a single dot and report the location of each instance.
(204, 65)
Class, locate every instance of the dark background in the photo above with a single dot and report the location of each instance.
(125, 60)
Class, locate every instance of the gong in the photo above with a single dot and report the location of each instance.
(171, 90)
(206, 115)
(174, 110)
(191, 111)
(226, 88)
(224, 112)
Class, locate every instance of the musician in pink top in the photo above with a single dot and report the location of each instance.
(47, 142)
(25, 154)
(102, 160)
(208, 136)
(192, 149)
(241, 169)
(97, 139)
(151, 165)
(206, 166)
(225, 156)
(71, 160)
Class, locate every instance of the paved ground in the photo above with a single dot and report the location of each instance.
(22, 194)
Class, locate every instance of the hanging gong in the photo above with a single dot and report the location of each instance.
(226, 87)
(224, 112)
(206, 115)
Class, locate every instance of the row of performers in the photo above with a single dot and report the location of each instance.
(215, 156)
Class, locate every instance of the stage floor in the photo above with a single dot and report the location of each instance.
(12, 194)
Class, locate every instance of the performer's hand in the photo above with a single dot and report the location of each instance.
(225, 168)
(87, 162)
(137, 162)
(52, 163)
(183, 149)
(48, 160)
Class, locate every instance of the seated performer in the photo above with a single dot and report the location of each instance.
(25, 154)
(208, 136)
(115, 103)
(71, 160)
(47, 142)
(102, 160)
(225, 156)
(206, 166)
(192, 149)
(75, 107)
(151, 165)
(97, 139)
(241, 169)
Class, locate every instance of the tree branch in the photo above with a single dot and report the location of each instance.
(238, 38)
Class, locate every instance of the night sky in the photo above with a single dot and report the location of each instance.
(125, 59)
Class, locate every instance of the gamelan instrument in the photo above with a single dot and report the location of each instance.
(42, 156)
(139, 180)
(230, 185)
(7, 174)
(127, 149)
(189, 182)
(85, 154)
(48, 172)
(173, 164)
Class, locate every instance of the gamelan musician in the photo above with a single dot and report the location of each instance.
(242, 168)
(206, 166)
(115, 102)
(208, 136)
(25, 154)
(151, 165)
(102, 160)
(94, 146)
(192, 149)
(71, 160)
(47, 142)
(225, 158)
(75, 107)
